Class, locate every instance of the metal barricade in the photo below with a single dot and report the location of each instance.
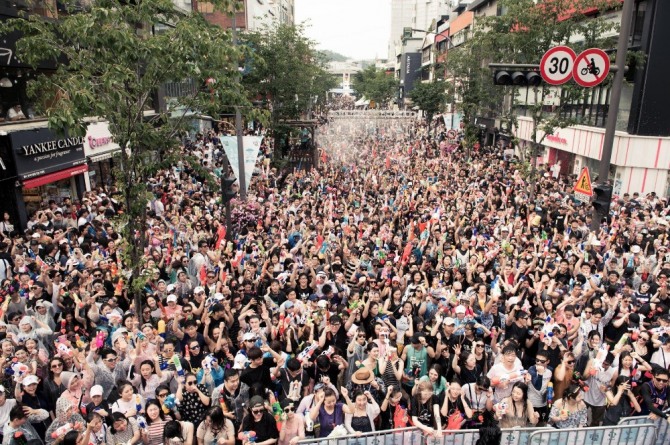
(633, 431)
(510, 436)
(635, 434)
(400, 436)
(662, 427)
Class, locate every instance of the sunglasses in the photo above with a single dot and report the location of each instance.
(662, 380)
(195, 347)
(289, 409)
(541, 362)
(257, 411)
(165, 394)
(570, 362)
(192, 382)
(56, 366)
(97, 275)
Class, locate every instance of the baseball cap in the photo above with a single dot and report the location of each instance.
(460, 309)
(30, 380)
(96, 390)
(199, 290)
(172, 297)
(255, 401)
(249, 336)
(170, 287)
(449, 321)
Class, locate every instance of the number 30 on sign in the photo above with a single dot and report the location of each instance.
(556, 65)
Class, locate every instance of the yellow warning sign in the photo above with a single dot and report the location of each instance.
(583, 184)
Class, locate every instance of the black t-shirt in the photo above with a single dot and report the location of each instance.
(303, 293)
(265, 429)
(520, 334)
(285, 380)
(386, 417)
(260, 375)
(425, 412)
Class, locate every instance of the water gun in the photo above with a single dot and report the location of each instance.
(547, 334)
(161, 328)
(247, 436)
(500, 408)
(187, 353)
(282, 323)
(18, 370)
(277, 412)
(621, 342)
(177, 365)
(62, 326)
(63, 430)
(509, 377)
(600, 358)
(118, 289)
(138, 403)
(208, 362)
(224, 407)
(169, 404)
(550, 393)
(659, 330)
(63, 350)
(99, 339)
(307, 352)
(80, 343)
(142, 423)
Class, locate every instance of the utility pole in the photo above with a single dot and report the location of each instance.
(238, 131)
(610, 127)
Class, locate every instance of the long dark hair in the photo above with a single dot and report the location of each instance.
(154, 402)
(143, 381)
(217, 421)
(524, 388)
(172, 430)
(116, 417)
(489, 432)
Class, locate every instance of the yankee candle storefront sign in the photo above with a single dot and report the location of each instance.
(38, 152)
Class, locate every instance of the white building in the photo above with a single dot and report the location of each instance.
(417, 14)
(344, 73)
(265, 12)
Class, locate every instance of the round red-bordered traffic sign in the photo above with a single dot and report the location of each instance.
(591, 67)
(556, 65)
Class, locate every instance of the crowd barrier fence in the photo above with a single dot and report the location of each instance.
(630, 431)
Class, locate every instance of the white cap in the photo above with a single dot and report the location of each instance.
(460, 309)
(449, 321)
(96, 390)
(30, 379)
(635, 249)
(249, 336)
(198, 290)
(172, 297)
(170, 287)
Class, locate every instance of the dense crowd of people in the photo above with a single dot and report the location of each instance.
(399, 284)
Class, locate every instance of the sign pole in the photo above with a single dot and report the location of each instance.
(612, 114)
(238, 131)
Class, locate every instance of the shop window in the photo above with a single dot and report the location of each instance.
(14, 103)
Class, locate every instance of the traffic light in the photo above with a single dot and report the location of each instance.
(531, 78)
(602, 197)
(227, 191)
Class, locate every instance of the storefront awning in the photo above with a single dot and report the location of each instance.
(102, 157)
(53, 177)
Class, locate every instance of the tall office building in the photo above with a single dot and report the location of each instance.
(417, 14)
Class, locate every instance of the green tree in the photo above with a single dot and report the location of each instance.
(523, 34)
(118, 55)
(285, 72)
(430, 97)
(469, 86)
(375, 84)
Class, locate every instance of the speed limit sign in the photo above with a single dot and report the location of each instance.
(556, 65)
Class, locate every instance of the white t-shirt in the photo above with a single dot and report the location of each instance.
(498, 370)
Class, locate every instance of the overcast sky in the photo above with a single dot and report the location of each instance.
(355, 28)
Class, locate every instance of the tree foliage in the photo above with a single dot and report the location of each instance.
(430, 97)
(375, 84)
(286, 71)
(521, 35)
(118, 55)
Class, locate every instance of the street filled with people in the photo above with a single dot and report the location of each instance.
(406, 281)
